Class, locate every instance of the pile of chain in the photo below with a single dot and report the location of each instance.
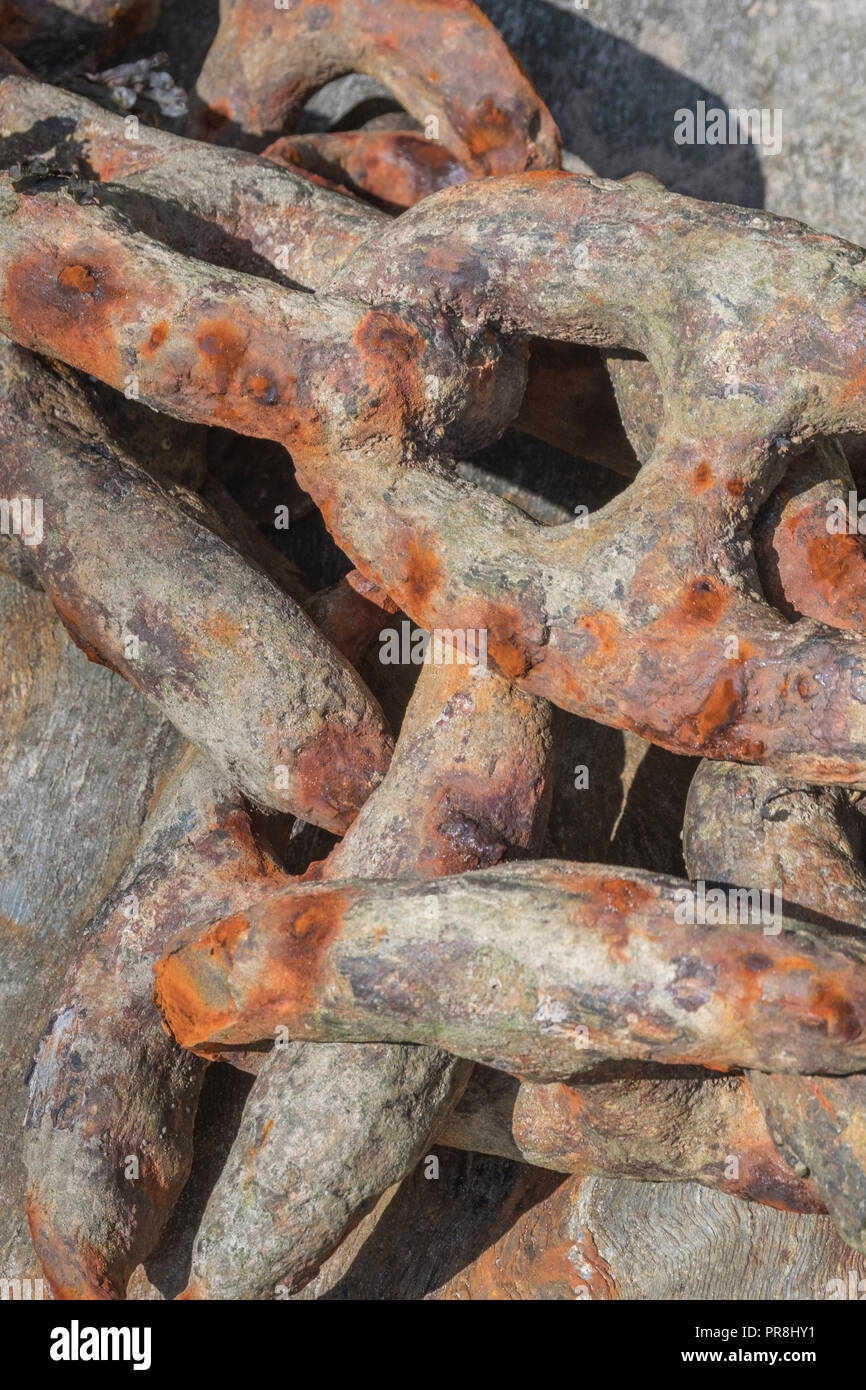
(383, 302)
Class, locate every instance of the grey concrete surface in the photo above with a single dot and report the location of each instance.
(615, 72)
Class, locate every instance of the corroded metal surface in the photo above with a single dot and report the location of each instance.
(745, 826)
(571, 621)
(327, 1129)
(392, 168)
(708, 608)
(555, 949)
(648, 1127)
(441, 60)
(112, 1098)
(226, 655)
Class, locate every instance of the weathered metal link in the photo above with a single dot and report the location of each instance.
(393, 168)
(745, 826)
(198, 850)
(91, 1225)
(707, 609)
(649, 1128)
(444, 62)
(566, 609)
(246, 215)
(232, 660)
(241, 210)
(469, 784)
(556, 949)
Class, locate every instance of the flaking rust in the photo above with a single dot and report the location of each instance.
(327, 1129)
(745, 826)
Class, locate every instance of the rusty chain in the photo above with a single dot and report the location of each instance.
(706, 608)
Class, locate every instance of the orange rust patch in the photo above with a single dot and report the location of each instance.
(222, 628)
(66, 311)
(442, 258)
(75, 1271)
(226, 933)
(506, 651)
(302, 930)
(158, 335)
(702, 477)
(721, 708)
(563, 1098)
(490, 129)
(113, 159)
(736, 488)
(834, 561)
(388, 338)
(335, 773)
(390, 351)
(620, 895)
(223, 347)
(816, 1091)
(604, 629)
(70, 620)
(77, 277)
(854, 388)
(831, 1012)
(790, 963)
(181, 996)
(703, 602)
(542, 176)
(261, 386)
(617, 899)
(540, 1256)
(423, 576)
